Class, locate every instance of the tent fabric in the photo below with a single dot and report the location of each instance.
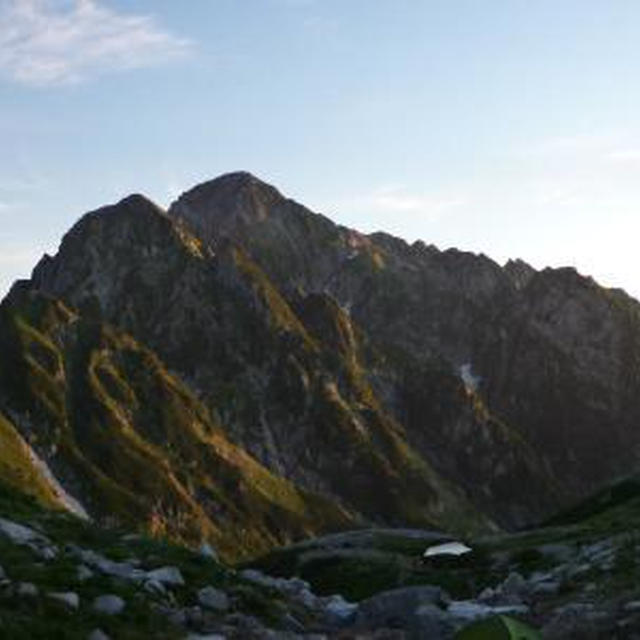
(498, 628)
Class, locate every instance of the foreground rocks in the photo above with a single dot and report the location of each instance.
(577, 589)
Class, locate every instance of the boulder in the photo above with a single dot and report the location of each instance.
(154, 586)
(396, 608)
(514, 584)
(27, 590)
(121, 570)
(213, 599)
(98, 634)
(69, 599)
(429, 621)
(578, 620)
(83, 573)
(207, 551)
(169, 576)
(337, 611)
(24, 536)
(109, 605)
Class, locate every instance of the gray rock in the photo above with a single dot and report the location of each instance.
(121, 570)
(429, 621)
(396, 607)
(511, 610)
(213, 599)
(67, 598)
(24, 536)
(170, 576)
(305, 597)
(577, 620)
(98, 634)
(27, 590)
(153, 586)
(549, 588)
(633, 605)
(469, 610)
(541, 576)
(290, 623)
(259, 578)
(294, 585)
(514, 584)
(337, 611)
(83, 573)
(18, 533)
(109, 605)
(487, 595)
(598, 552)
(207, 551)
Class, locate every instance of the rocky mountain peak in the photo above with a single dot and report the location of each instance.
(226, 204)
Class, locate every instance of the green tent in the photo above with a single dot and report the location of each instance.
(498, 628)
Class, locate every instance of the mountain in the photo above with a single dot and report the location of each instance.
(242, 370)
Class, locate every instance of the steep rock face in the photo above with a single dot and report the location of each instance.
(409, 385)
(284, 378)
(568, 375)
(552, 355)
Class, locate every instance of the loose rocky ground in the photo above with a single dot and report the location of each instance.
(61, 577)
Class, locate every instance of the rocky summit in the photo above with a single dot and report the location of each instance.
(239, 373)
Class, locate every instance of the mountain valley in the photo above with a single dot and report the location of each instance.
(239, 372)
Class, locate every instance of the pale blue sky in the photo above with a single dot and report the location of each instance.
(508, 127)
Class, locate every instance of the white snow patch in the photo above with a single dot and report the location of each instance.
(470, 381)
(447, 549)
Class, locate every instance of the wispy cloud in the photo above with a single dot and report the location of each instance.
(51, 42)
(390, 200)
(397, 199)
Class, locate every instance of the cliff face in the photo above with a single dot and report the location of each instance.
(404, 384)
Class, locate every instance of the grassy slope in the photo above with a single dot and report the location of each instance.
(138, 445)
(377, 471)
(18, 470)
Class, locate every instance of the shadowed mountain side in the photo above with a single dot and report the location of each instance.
(132, 442)
(552, 355)
(285, 394)
(408, 385)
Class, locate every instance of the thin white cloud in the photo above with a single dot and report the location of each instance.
(51, 42)
(398, 200)
(395, 199)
